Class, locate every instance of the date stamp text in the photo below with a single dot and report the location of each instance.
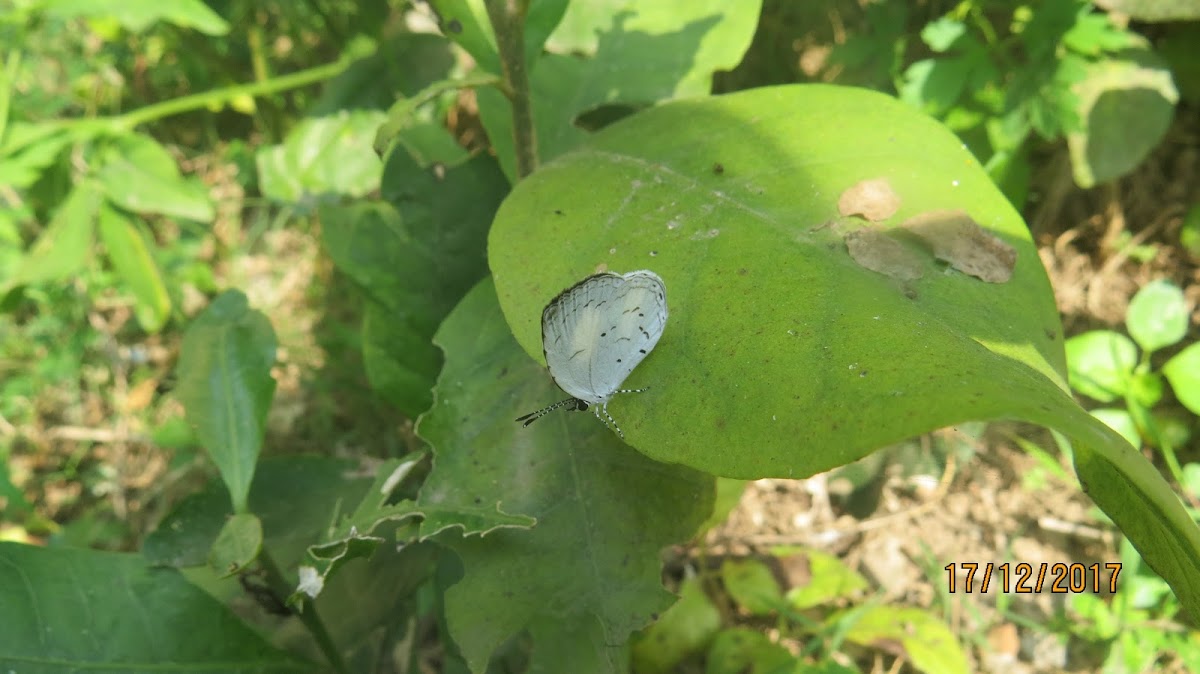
(1023, 578)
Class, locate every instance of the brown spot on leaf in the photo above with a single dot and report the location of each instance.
(875, 250)
(873, 199)
(956, 238)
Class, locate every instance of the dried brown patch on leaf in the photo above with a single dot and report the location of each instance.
(873, 249)
(956, 238)
(873, 199)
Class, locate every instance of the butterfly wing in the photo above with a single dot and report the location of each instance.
(595, 332)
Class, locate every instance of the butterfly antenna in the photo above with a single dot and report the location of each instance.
(534, 416)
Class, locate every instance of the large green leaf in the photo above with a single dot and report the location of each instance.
(226, 387)
(416, 253)
(615, 52)
(68, 610)
(589, 573)
(782, 356)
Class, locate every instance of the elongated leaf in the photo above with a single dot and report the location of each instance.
(226, 387)
(589, 572)
(28, 150)
(69, 610)
(138, 15)
(129, 251)
(139, 175)
(782, 356)
(415, 254)
(64, 247)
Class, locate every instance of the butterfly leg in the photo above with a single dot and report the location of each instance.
(607, 419)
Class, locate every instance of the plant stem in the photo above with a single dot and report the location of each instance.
(508, 22)
(214, 98)
(308, 615)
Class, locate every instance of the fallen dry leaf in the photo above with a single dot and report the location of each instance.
(956, 238)
(873, 249)
(873, 199)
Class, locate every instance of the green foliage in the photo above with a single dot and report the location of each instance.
(693, 627)
(1000, 74)
(1106, 366)
(1127, 627)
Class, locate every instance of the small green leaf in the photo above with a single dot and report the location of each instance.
(226, 387)
(1189, 232)
(935, 85)
(941, 33)
(66, 609)
(1157, 315)
(129, 251)
(237, 546)
(1101, 364)
(139, 175)
(297, 497)
(1183, 373)
(914, 633)
(752, 585)
(322, 156)
(64, 247)
(1146, 389)
(1191, 478)
(829, 579)
(684, 629)
(740, 649)
(1094, 34)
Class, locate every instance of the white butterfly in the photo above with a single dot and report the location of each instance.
(593, 335)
